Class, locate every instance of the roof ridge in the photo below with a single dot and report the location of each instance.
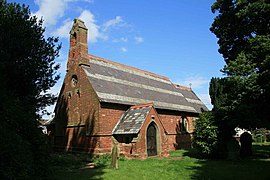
(129, 67)
(182, 87)
(142, 105)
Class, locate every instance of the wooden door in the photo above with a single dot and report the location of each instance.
(151, 140)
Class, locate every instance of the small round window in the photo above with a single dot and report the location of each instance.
(74, 81)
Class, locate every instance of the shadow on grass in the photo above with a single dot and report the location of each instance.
(255, 167)
(71, 166)
(181, 164)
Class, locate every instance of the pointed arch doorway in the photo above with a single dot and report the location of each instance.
(151, 140)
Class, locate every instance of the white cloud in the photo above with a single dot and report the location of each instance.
(122, 39)
(51, 10)
(93, 28)
(63, 31)
(89, 19)
(89, 1)
(123, 49)
(112, 23)
(195, 82)
(138, 40)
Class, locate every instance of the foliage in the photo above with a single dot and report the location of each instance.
(217, 92)
(27, 58)
(27, 71)
(242, 97)
(205, 137)
(239, 24)
(69, 160)
(102, 160)
(243, 31)
(230, 107)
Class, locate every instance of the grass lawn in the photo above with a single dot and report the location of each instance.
(179, 165)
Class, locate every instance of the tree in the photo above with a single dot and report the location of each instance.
(243, 31)
(227, 113)
(28, 70)
(242, 97)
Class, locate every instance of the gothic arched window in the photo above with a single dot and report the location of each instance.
(184, 124)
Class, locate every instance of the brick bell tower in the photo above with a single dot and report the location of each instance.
(73, 83)
(78, 50)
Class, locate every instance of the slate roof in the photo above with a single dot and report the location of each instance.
(117, 83)
(132, 120)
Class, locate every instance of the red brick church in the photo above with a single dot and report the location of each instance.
(103, 103)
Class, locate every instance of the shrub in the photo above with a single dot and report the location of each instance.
(102, 160)
(206, 134)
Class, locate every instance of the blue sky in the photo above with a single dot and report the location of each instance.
(169, 38)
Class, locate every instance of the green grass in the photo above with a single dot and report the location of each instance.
(180, 164)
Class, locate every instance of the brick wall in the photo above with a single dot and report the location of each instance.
(177, 139)
(109, 116)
